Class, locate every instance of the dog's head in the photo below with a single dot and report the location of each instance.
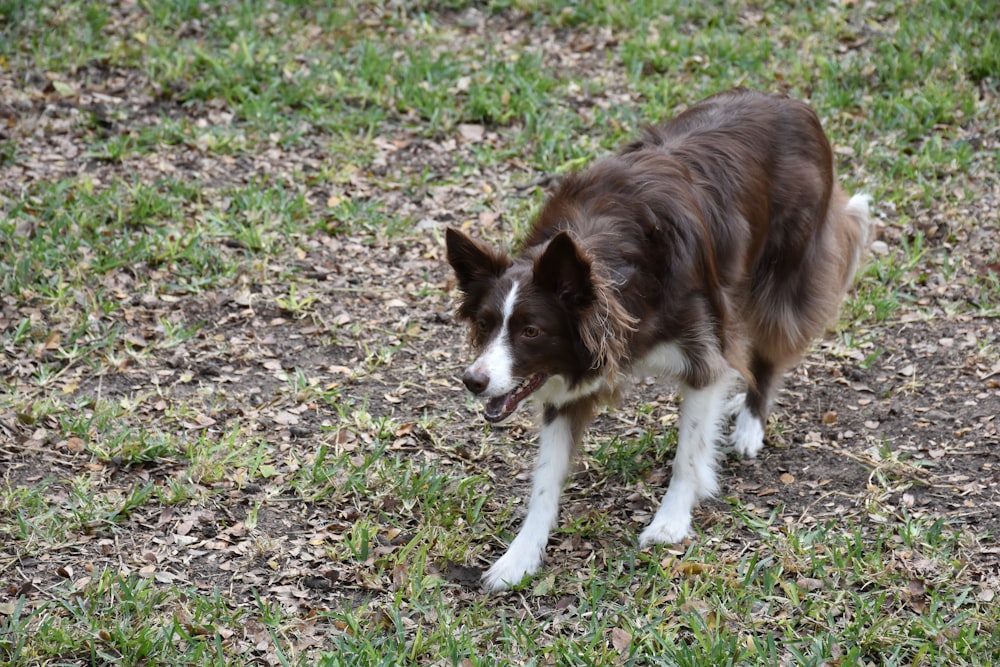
(528, 318)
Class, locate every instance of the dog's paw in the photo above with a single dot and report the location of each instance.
(512, 567)
(748, 435)
(666, 530)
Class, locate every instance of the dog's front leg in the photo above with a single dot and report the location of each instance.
(693, 478)
(524, 556)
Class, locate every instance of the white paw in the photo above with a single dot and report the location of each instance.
(666, 530)
(512, 567)
(748, 435)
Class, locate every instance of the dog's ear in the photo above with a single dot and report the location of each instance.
(473, 263)
(565, 271)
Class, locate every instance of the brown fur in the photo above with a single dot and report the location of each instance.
(730, 214)
(603, 324)
(722, 230)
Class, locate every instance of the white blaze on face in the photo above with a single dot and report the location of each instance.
(497, 360)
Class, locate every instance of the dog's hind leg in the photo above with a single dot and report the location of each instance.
(693, 479)
(751, 416)
(559, 437)
(790, 313)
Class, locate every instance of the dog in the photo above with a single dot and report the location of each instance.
(715, 247)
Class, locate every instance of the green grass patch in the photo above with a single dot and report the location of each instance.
(229, 432)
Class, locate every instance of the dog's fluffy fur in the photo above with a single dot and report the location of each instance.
(718, 245)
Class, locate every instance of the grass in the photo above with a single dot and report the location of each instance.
(233, 143)
(695, 608)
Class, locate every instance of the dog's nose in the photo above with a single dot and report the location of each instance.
(475, 381)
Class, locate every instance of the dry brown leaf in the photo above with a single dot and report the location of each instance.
(620, 639)
(809, 584)
(286, 418)
(471, 132)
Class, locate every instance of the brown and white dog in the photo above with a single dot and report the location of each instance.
(718, 245)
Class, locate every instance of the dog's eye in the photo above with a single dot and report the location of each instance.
(530, 332)
(482, 325)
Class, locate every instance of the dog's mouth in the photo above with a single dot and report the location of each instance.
(501, 407)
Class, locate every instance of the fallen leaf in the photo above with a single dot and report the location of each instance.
(200, 421)
(620, 639)
(699, 607)
(286, 418)
(52, 341)
(565, 602)
(63, 89)
(692, 569)
(471, 132)
(544, 586)
(136, 339)
(809, 584)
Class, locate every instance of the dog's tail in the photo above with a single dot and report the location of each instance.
(858, 216)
